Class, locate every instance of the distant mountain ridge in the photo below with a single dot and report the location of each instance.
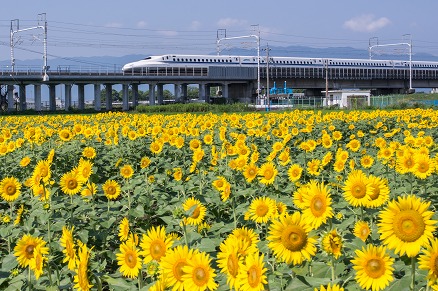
(115, 62)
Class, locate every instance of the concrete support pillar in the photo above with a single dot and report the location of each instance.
(152, 94)
(108, 97)
(22, 105)
(225, 92)
(178, 94)
(37, 97)
(134, 88)
(202, 91)
(207, 93)
(81, 96)
(11, 105)
(52, 97)
(125, 97)
(68, 104)
(97, 98)
(160, 92)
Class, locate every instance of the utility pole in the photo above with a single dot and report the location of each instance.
(268, 108)
(15, 28)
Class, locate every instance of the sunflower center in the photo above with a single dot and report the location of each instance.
(253, 276)
(200, 276)
(178, 270)
(294, 238)
(434, 265)
(358, 191)
(408, 225)
(261, 210)
(268, 174)
(157, 250)
(72, 184)
(196, 213)
(111, 190)
(10, 189)
(131, 259)
(233, 265)
(318, 206)
(375, 268)
(375, 193)
(29, 251)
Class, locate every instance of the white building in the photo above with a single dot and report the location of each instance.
(349, 99)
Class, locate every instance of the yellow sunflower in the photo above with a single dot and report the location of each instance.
(289, 239)
(297, 196)
(424, 166)
(156, 147)
(111, 189)
(267, 173)
(406, 225)
(85, 169)
(155, 243)
(10, 189)
(294, 172)
(249, 237)
(219, 183)
(357, 189)
(367, 161)
(65, 134)
(126, 171)
(195, 211)
(70, 183)
(428, 261)
(229, 260)
(317, 204)
(128, 259)
(362, 230)
(36, 264)
(262, 209)
(68, 244)
(198, 274)
(329, 287)
(82, 283)
(24, 250)
(380, 194)
(332, 243)
(89, 153)
(24, 161)
(124, 229)
(172, 265)
(253, 274)
(374, 267)
(145, 162)
(250, 172)
(89, 190)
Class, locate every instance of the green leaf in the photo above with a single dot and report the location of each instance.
(9, 262)
(209, 245)
(118, 283)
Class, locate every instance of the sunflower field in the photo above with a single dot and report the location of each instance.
(297, 200)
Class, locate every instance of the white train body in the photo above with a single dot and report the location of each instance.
(251, 61)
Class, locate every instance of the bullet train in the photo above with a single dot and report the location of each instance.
(203, 61)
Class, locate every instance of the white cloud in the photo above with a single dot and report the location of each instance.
(168, 32)
(195, 25)
(114, 24)
(229, 22)
(366, 23)
(142, 24)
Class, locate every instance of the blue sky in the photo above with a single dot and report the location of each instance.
(116, 28)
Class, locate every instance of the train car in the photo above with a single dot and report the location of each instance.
(205, 61)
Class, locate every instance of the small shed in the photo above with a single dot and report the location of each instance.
(349, 99)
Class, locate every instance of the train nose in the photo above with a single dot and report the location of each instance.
(127, 67)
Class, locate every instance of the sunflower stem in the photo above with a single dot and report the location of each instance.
(140, 280)
(332, 267)
(412, 285)
(29, 279)
(185, 234)
(234, 213)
